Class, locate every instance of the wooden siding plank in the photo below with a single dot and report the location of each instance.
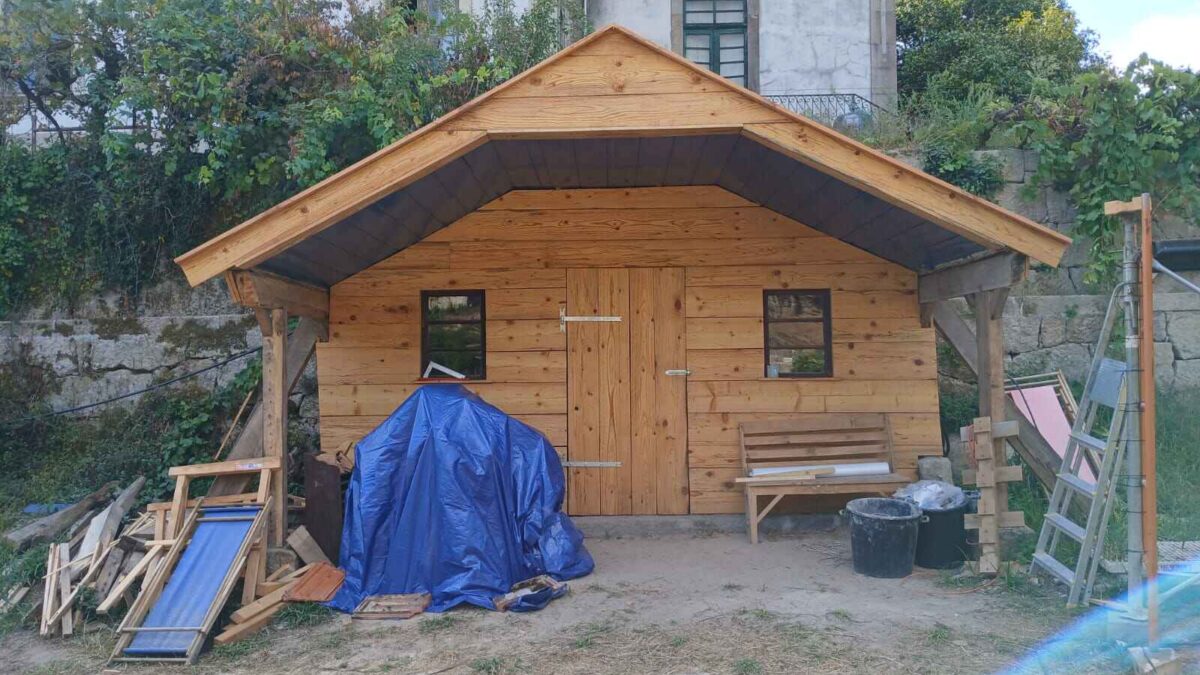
(881, 276)
(813, 395)
(380, 365)
(670, 396)
(653, 253)
(611, 74)
(384, 282)
(746, 301)
(677, 197)
(337, 430)
(630, 111)
(852, 361)
(603, 225)
(583, 385)
(612, 362)
(383, 399)
(522, 303)
(644, 430)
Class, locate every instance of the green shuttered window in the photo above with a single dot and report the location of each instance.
(714, 35)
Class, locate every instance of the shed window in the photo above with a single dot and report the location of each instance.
(714, 36)
(452, 334)
(798, 333)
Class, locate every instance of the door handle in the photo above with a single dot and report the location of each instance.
(677, 372)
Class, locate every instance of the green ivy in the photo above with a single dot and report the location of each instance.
(1110, 135)
(978, 175)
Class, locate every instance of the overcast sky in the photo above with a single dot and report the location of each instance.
(1168, 30)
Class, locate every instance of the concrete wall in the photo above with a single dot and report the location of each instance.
(649, 18)
(815, 47)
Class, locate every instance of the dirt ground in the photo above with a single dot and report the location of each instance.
(674, 604)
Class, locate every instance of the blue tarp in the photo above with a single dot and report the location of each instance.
(453, 497)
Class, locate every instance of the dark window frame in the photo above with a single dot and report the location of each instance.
(826, 298)
(426, 322)
(713, 32)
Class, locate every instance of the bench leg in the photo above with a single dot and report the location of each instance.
(752, 514)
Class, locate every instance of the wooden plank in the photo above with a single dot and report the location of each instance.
(653, 253)
(422, 255)
(502, 304)
(620, 222)
(611, 360)
(503, 335)
(305, 546)
(382, 399)
(747, 301)
(248, 611)
(637, 111)
(583, 391)
(747, 332)
(126, 583)
(852, 360)
(384, 282)
(805, 395)
(317, 585)
(674, 197)
(878, 276)
(227, 467)
(65, 596)
(1001, 270)
(252, 625)
(643, 364)
(634, 72)
(375, 365)
(337, 430)
(275, 392)
(316, 208)
(670, 397)
(263, 290)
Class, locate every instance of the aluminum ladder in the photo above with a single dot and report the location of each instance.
(1105, 388)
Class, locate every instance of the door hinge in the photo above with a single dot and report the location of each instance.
(591, 465)
(563, 319)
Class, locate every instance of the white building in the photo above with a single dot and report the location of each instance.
(829, 52)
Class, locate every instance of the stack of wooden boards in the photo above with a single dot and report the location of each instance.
(91, 557)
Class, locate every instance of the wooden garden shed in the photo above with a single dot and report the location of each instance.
(633, 255)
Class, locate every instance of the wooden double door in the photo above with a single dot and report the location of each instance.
(626, 391)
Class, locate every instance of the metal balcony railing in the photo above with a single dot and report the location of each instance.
(837, 110)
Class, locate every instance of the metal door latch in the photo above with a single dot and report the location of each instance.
(677, 372)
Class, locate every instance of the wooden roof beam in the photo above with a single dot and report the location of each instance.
(263, 290)
(995, 271)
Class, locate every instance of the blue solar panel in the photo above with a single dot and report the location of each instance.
(195, 582)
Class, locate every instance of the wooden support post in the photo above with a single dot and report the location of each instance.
(274, 399)
(1147, 419)
(989, 337)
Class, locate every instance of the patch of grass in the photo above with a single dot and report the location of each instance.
(300, 614)
(940, 634)
(759, 614)
(840, 615)
(242, 648)
(678, 641)
(747, 667)
(438, 623)
(588, 633)
(493, 665)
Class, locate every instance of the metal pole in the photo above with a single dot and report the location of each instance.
(1146, 389)
(1132, 428)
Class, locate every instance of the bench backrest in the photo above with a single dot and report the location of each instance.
(831, 438)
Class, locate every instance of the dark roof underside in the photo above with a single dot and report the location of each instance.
(731, 161)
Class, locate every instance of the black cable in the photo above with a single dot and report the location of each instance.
(152, 387)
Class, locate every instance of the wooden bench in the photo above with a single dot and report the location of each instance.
(812, 442)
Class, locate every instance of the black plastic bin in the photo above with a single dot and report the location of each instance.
(942, 538)
(883, 536)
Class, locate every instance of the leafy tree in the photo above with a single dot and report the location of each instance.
(949, 46)
(1110, 135)
(198, 113)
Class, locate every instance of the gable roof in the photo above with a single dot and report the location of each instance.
(616, 91)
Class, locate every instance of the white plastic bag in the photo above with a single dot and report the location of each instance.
(933, 494)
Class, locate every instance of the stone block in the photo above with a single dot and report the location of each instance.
(1059, 208)
(935, 468)
(1020, 332)
(1183, 331)
(1164, 365)
(1012, 197)
(1187, 374)
(956, 453)
(1053, 331)
(1072, 359)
